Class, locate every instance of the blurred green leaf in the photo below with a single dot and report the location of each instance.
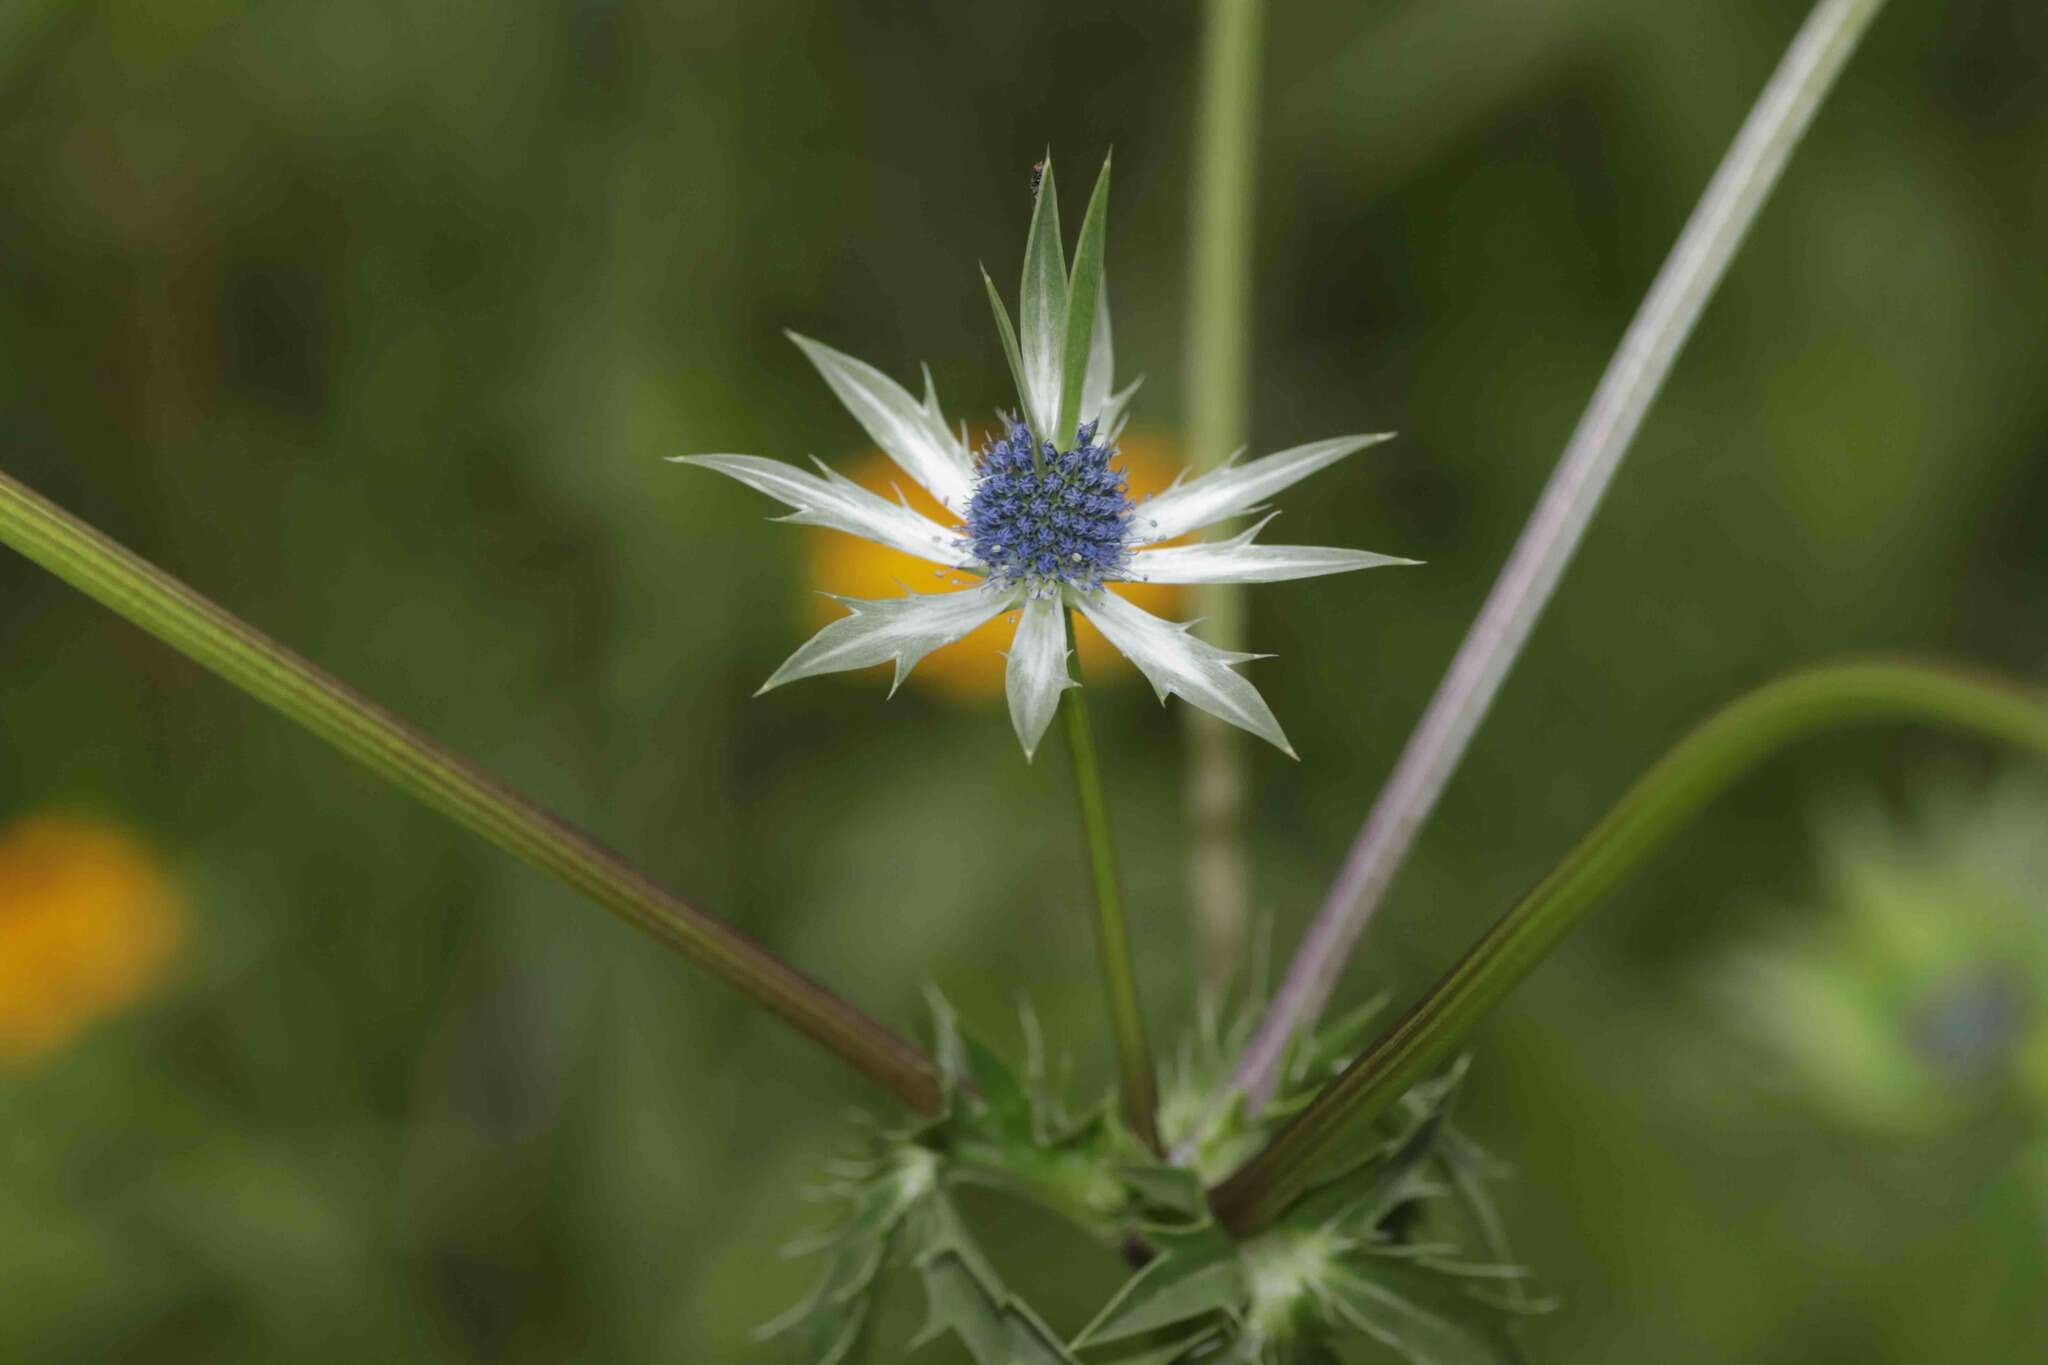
(1404, 1311)
(1194, 1279)
(967, 1298)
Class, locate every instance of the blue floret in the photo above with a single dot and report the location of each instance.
(1049, 517)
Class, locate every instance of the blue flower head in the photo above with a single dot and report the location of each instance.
(1040, 517)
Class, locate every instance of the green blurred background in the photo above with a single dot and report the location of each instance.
(374, 322)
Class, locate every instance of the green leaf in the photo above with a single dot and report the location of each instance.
(1399, 1308)
(1048, 1112)
(834, 1319)
(1390, 1173)
(1434, 1097)
(967, 1298)
(1249, 1348)
(1192, 1281)
(843, 1337)
(1471, 1169)
(1003, 1101)
(1314, 1353)
(994, 1091)
(1159, 1348)
(1084, 294)
(1092, 1125)
(1170, 1190)
(1009, 336)
(1042, 310)
(1334, 1044)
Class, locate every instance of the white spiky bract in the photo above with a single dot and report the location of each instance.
(1066, 381)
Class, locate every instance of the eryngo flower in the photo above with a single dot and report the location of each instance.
(1043, 517)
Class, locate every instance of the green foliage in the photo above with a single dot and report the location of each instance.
(880, 1197)
(967, 1297)
(1401, 1247)
(897, 1207)
(1907, 1006)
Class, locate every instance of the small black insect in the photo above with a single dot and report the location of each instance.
(1037, 177)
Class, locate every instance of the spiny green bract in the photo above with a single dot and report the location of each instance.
(1402, 1247)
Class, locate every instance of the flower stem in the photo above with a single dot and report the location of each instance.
(1112, 933)
(194, 626)
(1669, 311)
(1219, 336)
(1706, 762)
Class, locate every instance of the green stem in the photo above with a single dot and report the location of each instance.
(374, 737)
(1723, 748)
(1219, 340)
(1635, 374)
(1112, 934)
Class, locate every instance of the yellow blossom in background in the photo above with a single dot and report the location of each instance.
(88, 920)
(971, 669)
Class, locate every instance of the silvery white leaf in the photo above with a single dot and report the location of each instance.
(1236, 488)
(1238, 560)
(1174, 661)
(1037, 671)
(912, 434)
(904, 629)
(840, 503)
(1100, 381)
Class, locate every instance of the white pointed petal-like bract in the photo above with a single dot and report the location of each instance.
(1238, 560)
(1037, 671)
(1237, 488)
(911, 433)
(838, 502)
(1175, 662)
(1111, 422)
(1099, 383)
(1042, 309)
(903, 629)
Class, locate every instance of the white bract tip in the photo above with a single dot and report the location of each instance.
(1036, 673)
(901, 630)
(1177, 663)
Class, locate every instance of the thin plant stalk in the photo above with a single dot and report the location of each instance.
(1728, 745)
(1666, 319)
(1136, 1080)
(1219, 343)
(196, 627)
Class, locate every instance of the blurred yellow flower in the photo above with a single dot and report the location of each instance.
(971, 669)
(87, 921)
